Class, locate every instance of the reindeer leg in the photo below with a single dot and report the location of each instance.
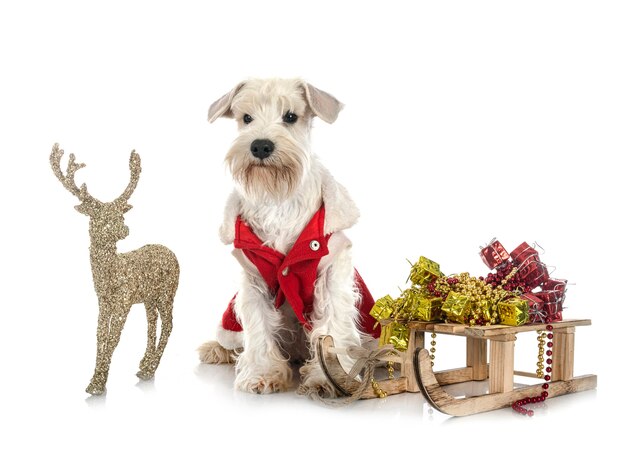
(99, 378)
(165, 312)
(117, 320)
(145, 366)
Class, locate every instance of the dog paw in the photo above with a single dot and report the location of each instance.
(263, 385)
(315, 384)
(276, 378)
(317, 388)
(213, 353)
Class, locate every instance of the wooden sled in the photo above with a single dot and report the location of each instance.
(416, 373)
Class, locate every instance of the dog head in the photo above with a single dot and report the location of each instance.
(271, 156)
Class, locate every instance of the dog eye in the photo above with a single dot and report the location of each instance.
(247, 118)
(290, 117)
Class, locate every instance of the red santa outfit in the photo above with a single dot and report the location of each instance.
(292, 277)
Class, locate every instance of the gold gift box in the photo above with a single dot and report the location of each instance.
(513, 312)
(396, 334)
(428, 309)
(457, 307)
(424, 271)
(383, 308)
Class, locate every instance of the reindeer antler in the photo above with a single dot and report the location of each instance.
(67, 180)
(134, 165)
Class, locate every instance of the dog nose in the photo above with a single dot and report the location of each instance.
(261, 148)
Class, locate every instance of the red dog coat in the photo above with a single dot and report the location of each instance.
(292, 277)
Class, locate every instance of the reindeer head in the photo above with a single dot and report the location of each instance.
(106, 222)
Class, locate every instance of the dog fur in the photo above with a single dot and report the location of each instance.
(277, 196)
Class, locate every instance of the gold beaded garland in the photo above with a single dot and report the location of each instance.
(542, 341)
(377, 390)
(433, 343)
(390, 370)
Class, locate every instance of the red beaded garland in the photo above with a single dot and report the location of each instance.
(515, 283)
(518, 406)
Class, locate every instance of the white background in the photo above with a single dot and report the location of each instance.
(463, 121)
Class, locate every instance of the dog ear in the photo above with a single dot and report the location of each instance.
(323, 105)
(221, 107)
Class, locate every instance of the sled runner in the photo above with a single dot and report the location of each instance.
(417, 375)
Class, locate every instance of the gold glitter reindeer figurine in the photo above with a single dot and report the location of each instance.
(148, 275)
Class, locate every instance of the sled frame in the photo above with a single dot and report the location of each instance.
(495, 366)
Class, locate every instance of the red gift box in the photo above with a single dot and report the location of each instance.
(534, 273)
(555, 285)
(552, 304)
(553, 310)
(523, 252)
(548, 296)
(530, 268)
(494, 254)
(536, 314)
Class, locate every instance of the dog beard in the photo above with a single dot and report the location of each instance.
(277, 181)
(277, 176)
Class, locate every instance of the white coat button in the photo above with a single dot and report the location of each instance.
(285, 271)
(315, 246)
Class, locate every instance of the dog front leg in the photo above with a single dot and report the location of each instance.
(335, 314)
(261, 368)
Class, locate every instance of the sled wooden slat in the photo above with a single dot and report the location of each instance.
(496, 330)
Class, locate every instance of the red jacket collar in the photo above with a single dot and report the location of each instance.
(291, 277)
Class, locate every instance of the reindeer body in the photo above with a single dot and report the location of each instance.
(139, 276)
(148, 275)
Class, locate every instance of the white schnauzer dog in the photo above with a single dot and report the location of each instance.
(285, 218)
